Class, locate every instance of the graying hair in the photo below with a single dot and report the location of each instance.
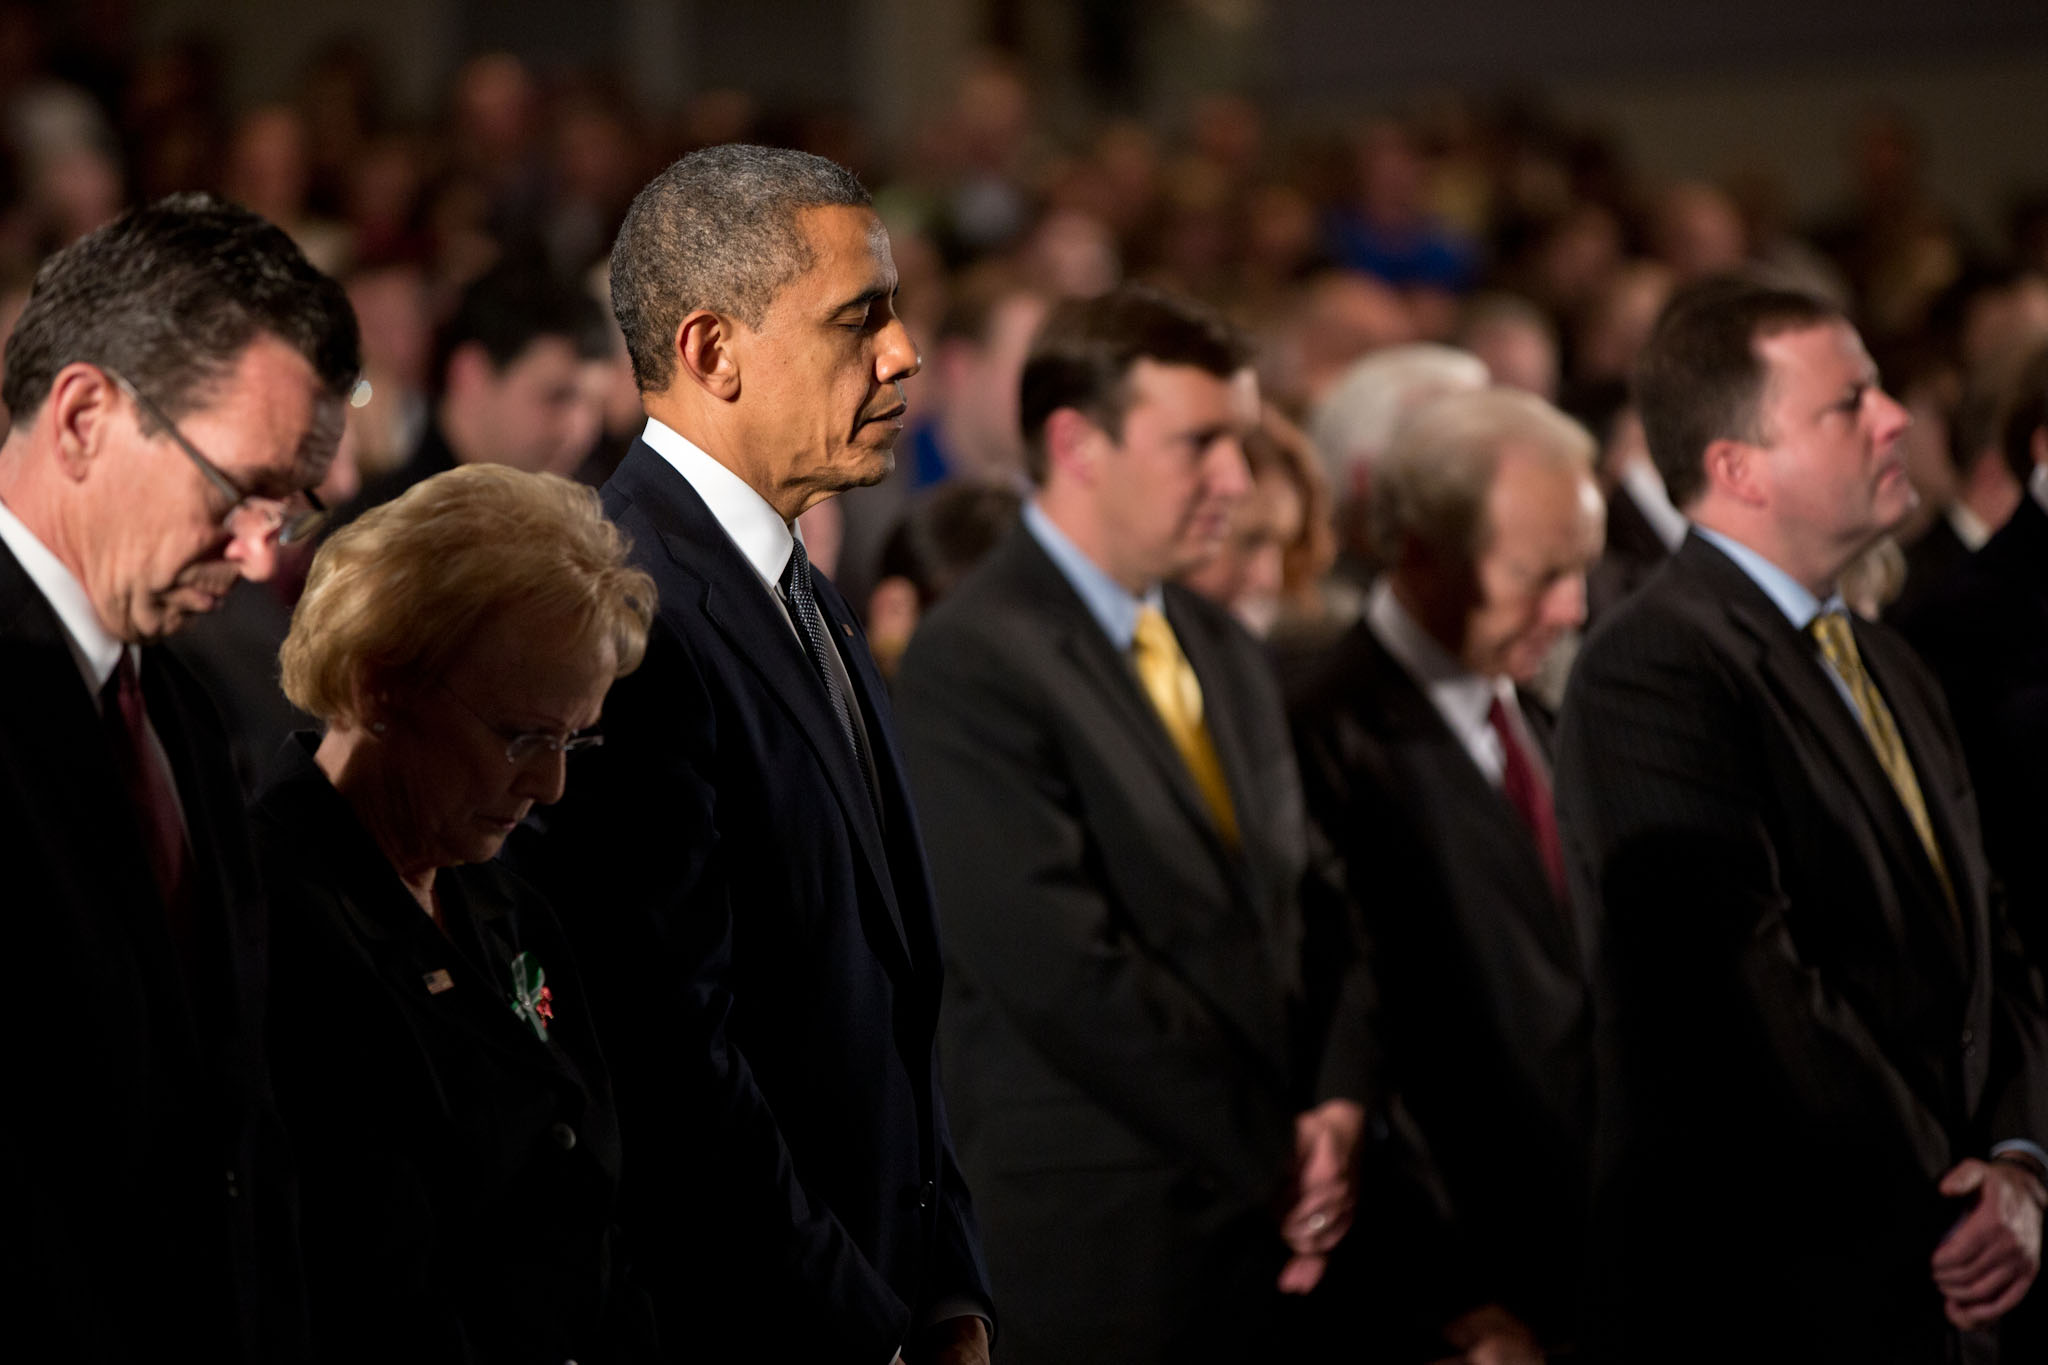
(1430, 484)
(1354, 423)
(717, 230)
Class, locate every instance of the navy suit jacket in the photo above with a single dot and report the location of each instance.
(762, 955)
(143, 1182)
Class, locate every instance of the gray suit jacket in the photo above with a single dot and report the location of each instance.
(1126, 1032)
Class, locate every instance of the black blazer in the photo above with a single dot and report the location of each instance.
(1795, 1038)
(1986, 634)
(1486, 1009)
(143, 1180)
(457, 1173)
(763, 958)
(1125, 1035)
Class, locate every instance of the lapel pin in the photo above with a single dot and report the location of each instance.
(437, 981)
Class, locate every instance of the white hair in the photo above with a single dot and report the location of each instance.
(1357, 420)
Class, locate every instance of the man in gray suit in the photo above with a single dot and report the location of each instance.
(1158, 1139)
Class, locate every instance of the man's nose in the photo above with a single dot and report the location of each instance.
(897, 357)
(252, 547)
(1230, 475)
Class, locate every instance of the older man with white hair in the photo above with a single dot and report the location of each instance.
(1427, 774)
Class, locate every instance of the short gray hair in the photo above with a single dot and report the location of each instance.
(718, 230)
(1355, 422)
(1430, 484)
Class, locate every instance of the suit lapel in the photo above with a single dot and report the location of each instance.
(704, 567)
(1435, 763)
(86, 810)
(1115, 682)
(1792, 666)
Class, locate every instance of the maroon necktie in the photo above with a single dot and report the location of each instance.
(148, 783)
(1529, 792)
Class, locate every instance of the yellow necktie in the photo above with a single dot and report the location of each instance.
(1177, 696)
(1838, 644)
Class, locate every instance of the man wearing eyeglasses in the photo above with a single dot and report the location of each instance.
(176, 386)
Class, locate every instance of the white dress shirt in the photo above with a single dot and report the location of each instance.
(1463, 698)
(759, 533)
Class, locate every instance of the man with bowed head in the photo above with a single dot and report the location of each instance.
(739, 867)
(1818, 1050)
(176, 385)
(1428, 775)
(1160, 1141)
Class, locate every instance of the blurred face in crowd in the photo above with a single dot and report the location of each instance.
(1246, 574)
(1166, 486)
(452, 790)
(527, 414)
(160, 540)
(821, 380)
(1546, 523)
(1832, 469)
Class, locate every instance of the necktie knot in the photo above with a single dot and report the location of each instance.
(1165, 669)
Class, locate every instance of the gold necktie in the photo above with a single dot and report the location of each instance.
(1838, 644)
(1177, 696)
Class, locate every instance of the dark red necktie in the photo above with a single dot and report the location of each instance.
(148, 782)
(1529, 792)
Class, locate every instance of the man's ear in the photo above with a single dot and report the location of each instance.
(1735, 469)
(1074, 445)
(706, 353)
(82, 405)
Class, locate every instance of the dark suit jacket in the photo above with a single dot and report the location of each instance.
(1986, 634)
(143, 1183)
(1486, 1011)
(457, 1173)
(1795, 1038)
(763, 960)
(1631, 553)
(1123, 1030)
(1931, 562)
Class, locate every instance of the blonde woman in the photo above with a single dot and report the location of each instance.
(433, 1054)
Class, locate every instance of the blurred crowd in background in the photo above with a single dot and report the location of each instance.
(1483, 224)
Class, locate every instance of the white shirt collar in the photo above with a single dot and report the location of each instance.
(1646, 486)
(1968, 526)
(2037, 483)
(1464, 699)
(762, 537)
(1789, 595)
(96, 652)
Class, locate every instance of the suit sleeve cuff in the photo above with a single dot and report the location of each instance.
(2024, 1147)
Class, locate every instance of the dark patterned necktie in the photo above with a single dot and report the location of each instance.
(1526, 789)
(148, 784)
(810, 624)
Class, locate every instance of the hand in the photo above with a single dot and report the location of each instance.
(1987, 1261)
(956, 1341)
(1491, 1335)
(1325, 1168)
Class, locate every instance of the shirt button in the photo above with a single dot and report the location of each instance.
(564, 1136)
(233, 1192)
(927, 1194)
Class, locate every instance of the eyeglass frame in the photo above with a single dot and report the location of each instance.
(291, 528)
(533, 741)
